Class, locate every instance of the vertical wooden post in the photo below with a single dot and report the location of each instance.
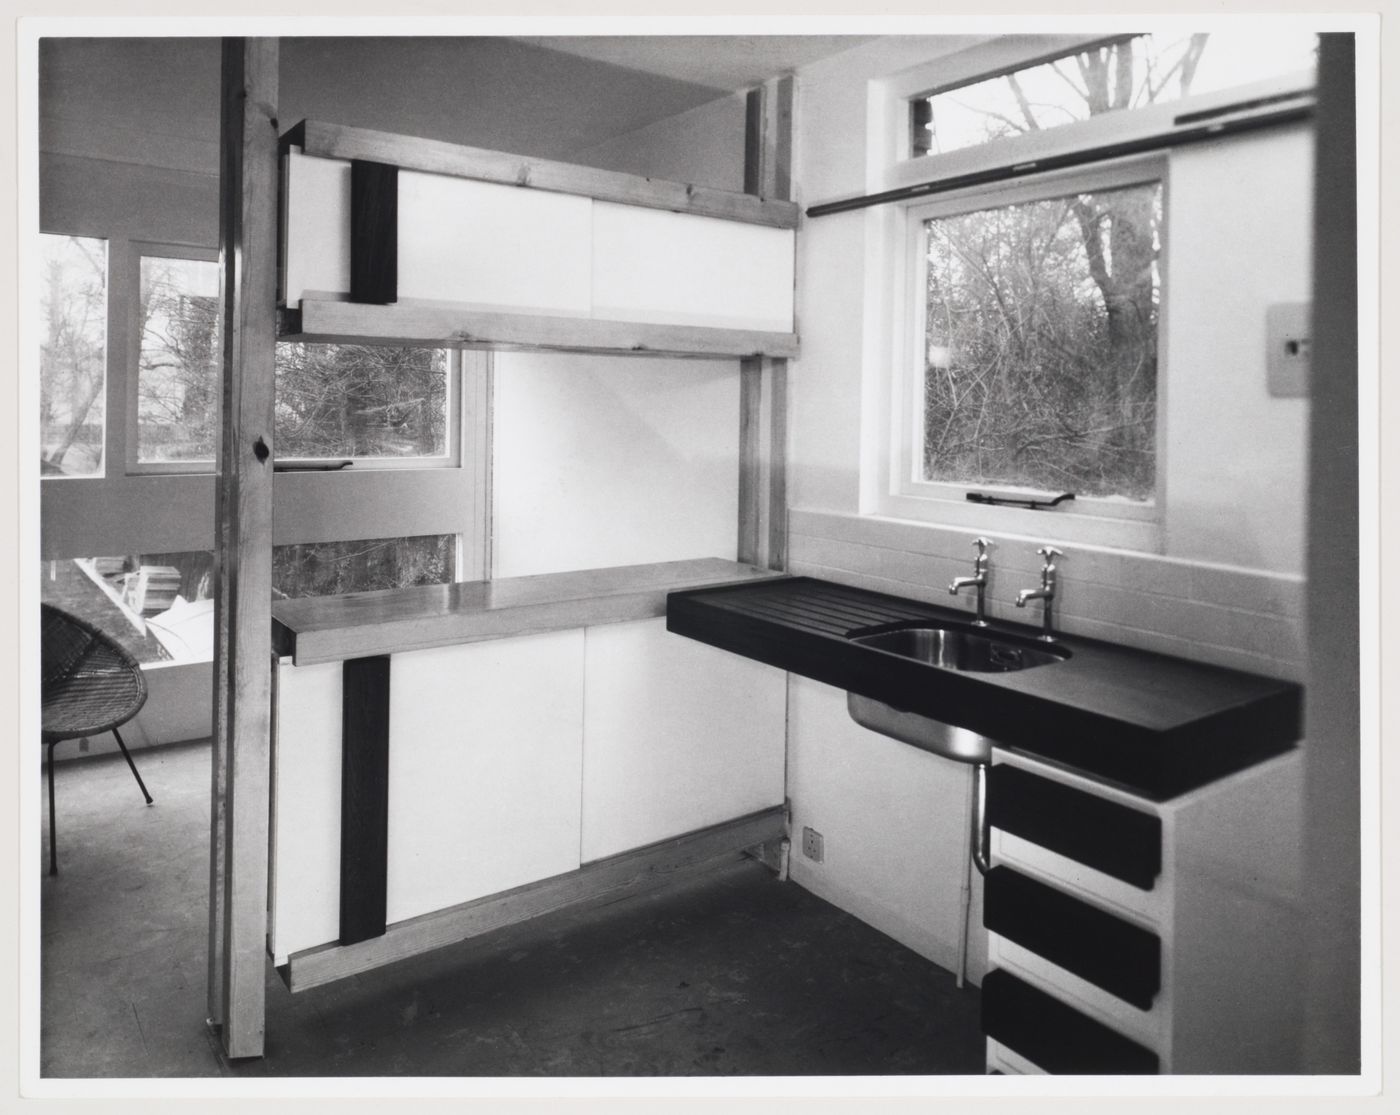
(763, 381)
(248, 172)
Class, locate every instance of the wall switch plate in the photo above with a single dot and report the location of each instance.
(1288, 335)
(812, 844)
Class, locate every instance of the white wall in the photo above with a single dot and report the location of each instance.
(603, 461)
(1228, 587)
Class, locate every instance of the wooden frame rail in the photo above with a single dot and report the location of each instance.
(636, 872)
(337, 141)
(441, 325)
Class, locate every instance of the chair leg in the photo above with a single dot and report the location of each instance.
(53, 825)
(132, 765)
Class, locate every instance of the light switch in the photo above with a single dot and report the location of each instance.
(1288, 333)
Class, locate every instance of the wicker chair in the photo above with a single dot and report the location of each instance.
(90, 685)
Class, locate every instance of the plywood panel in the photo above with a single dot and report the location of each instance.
(492, 246)
(602, 463)
(649, 265)
(317, 250)
(485, 754)
(677, 736)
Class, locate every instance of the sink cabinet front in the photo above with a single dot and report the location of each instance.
(1132, 936)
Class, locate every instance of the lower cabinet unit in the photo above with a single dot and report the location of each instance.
(1130, 936)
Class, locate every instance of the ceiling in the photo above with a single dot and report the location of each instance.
(724, 63)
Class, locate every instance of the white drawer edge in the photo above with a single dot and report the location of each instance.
(1148, 1028)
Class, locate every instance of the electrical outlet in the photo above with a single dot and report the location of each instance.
(812, 844)
(1288, 330)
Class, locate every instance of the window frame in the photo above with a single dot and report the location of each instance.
(136, 251)
(907, 495)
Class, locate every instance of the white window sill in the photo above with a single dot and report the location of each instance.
(1051, 525)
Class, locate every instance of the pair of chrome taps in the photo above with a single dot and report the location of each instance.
(1045, 593)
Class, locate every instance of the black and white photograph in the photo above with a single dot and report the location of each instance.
(782, 557)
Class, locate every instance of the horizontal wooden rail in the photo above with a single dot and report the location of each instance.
(337, 141)
(439, 325)
(636, 872)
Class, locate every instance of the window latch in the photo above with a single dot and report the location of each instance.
(312, 466)
(1034, 503)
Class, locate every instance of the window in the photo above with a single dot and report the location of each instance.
(1038, 364)
(364, 565)
(1123, 74)
(177, 374)
(364, 403)
(73, 355)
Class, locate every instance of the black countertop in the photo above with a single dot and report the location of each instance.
(1154, 724)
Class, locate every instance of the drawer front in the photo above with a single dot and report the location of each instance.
(1055, 1036)
(1104, 835)
(1123, 959)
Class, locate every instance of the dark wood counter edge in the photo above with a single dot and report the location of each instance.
(1159, 764)
(615, 600)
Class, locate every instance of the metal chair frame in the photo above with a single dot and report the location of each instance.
(86, 667)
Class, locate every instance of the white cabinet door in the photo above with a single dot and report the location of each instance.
(485, 758)
(677, 736)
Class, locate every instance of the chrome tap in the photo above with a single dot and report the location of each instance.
(978, 581)
(1046, 591)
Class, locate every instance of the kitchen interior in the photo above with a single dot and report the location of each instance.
(608, 551)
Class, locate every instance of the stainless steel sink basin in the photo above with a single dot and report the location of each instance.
(954, 649)
(949, 648)
(920, 731)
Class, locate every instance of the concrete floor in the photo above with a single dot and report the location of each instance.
(734, 974)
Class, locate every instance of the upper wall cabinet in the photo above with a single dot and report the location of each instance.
(396, 240)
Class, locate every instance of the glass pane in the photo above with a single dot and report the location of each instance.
(177, 380)
(1041, 344)
(159, 606)
(72, 355)
(336, 401)
(1142, 70)
(333, 568)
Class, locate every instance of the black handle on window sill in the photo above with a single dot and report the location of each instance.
(1018, 501)
(326, 466)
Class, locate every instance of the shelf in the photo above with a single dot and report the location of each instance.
(445, 326)
(336, 141)
(333, 628)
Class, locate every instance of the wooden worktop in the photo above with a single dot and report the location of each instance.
(332, 628)
(1155, 724)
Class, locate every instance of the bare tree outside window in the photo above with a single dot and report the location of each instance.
(360, 401)
(1041, 344)
(1040, 363)
(177, 379)
(364, 565)
(73, 355)
(1130, 73)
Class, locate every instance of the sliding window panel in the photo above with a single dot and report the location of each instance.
(654, 266)
(488, 246)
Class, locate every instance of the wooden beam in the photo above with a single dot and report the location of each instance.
(248, 185)
(630, 873)
(440, 325)
(763, 378)
(336, 141)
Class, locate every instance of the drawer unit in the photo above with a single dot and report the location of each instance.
(1135, 936)
(1053, 1036)
(1122, 842)
(1123, 959)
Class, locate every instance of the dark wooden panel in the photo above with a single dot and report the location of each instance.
(1154, 724)
(1054, 1036)
(374, 232)
(364, 798)
(1123, 959)
(1122, 842)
